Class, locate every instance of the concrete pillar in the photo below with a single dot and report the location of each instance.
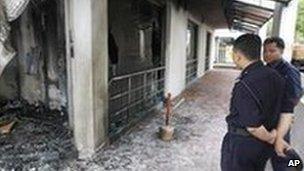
(284, 25)
(216, 53)
(89, 74)
(68, 38)
(202, 50)
(212, 50)
(263, 32)
(177, 23)
(277, 17)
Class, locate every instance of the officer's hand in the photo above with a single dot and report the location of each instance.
(273, 136)
(280, 145)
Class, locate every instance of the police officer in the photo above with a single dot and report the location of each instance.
(254, 109)
(273, 51)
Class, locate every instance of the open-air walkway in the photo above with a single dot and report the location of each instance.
(200, 126)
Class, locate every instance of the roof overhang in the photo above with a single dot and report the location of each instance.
(246, 17)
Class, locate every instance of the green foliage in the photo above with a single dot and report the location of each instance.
(300, 22)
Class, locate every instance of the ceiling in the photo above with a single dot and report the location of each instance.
(210, 11)
(231, 14)
(246, 17)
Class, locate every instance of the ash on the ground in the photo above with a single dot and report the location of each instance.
(40, 139)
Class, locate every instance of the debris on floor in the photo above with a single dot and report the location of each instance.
(199, 128)
(7, 128)
(34, 144)
(39, 139)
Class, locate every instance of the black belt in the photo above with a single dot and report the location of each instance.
(238, 131)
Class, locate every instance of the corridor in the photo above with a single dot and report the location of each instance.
(199, 128)
(199, 124)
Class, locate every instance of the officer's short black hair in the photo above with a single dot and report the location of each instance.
(277, 40)
(250, 45)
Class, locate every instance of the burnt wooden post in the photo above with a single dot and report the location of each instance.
(168, 106)
(167, 131)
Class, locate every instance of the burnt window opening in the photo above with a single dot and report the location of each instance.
(150, 41)
(142, 43)
(191, 49)
(40, 132)
(136, 83)
(136, 30)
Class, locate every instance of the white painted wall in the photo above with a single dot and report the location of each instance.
(263, 32)
(177, 23)
(202, 60)
(288, 27)
(284, 26)
(201, 44)
(209, 29)
(201, 50)
(213, 49)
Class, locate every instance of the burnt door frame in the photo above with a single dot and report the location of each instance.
(192, 60)
(208, 50)
(155, 72)
(69, 59)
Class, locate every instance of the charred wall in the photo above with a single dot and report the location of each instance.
(38, 72)
(8, 82)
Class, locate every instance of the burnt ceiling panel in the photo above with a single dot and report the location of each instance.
(210, 12)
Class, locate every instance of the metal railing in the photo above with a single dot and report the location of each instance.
(132, 97)
(191, 70)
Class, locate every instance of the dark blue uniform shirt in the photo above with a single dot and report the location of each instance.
(293, 89)
(268, 88)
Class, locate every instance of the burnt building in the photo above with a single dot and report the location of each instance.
(105, 65)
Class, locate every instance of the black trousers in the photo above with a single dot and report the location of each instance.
(240, 153)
